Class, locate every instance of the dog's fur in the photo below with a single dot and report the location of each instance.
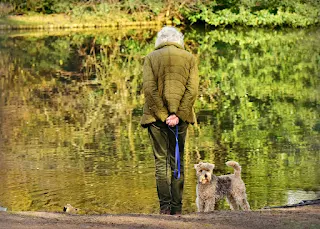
(211, 188)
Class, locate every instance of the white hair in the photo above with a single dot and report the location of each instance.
(169, 34)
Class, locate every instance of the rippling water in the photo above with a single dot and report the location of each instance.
(70, 106)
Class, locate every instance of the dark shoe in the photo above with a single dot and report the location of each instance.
(165, 212)
(177, 213)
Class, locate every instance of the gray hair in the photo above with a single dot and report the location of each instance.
(169, 34)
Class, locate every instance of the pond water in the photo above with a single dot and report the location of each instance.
(71, 102)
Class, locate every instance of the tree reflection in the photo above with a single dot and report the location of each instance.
(70, 107)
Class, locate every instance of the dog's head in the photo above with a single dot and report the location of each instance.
(204, 172)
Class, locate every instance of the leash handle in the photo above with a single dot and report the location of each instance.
(176, 172)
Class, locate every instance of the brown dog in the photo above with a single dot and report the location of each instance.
(211, 188)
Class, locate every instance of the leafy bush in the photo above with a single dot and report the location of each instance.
(270, 13)
(255, 13)
(41, 6)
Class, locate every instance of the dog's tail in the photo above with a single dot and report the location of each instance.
(236, 166)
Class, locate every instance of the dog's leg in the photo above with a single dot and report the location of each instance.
(245, 205)
(200, 204)
(209, 205)
(242, 202)
(232, 203)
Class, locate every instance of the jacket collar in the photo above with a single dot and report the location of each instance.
(169, 44)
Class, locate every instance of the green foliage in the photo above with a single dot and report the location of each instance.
(257, 13)
(39, 6)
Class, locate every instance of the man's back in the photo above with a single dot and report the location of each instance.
(171, 67)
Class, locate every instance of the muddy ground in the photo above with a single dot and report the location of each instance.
(307, 217)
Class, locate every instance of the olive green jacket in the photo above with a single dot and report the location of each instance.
(170, 84)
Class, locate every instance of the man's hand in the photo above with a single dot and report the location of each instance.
(172, 120)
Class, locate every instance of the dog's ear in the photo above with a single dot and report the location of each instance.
(211, 166)
(196, 166)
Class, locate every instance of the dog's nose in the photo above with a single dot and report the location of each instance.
(205, 175)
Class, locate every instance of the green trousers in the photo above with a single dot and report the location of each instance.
(163, 143)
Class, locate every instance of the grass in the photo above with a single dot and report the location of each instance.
(42, 21)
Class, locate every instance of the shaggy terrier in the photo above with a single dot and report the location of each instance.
(211, 188)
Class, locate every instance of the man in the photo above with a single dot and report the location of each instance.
(170, 84)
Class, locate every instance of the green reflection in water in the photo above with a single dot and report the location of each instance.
(70, 106)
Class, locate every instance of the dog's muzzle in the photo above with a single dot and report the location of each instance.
(203, 179)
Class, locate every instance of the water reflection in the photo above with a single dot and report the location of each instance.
(299, 195)
(70, 105)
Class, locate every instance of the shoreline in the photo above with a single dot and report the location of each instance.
(116, 20)
(60, 21)
(300, 217)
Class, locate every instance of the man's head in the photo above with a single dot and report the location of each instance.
(169, 34)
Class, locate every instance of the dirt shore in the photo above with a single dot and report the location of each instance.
(293, 218)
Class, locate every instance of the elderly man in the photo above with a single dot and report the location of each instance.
(170, 84)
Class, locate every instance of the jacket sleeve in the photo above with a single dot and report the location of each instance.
(151, 93)
(191, 93)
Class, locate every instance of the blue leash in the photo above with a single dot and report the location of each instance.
(176, 172)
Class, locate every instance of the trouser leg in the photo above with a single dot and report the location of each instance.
(159, 141)
(177, 184)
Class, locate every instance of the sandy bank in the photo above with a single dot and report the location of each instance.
(302, 217)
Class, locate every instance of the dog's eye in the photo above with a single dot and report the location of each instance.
(200, 170)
